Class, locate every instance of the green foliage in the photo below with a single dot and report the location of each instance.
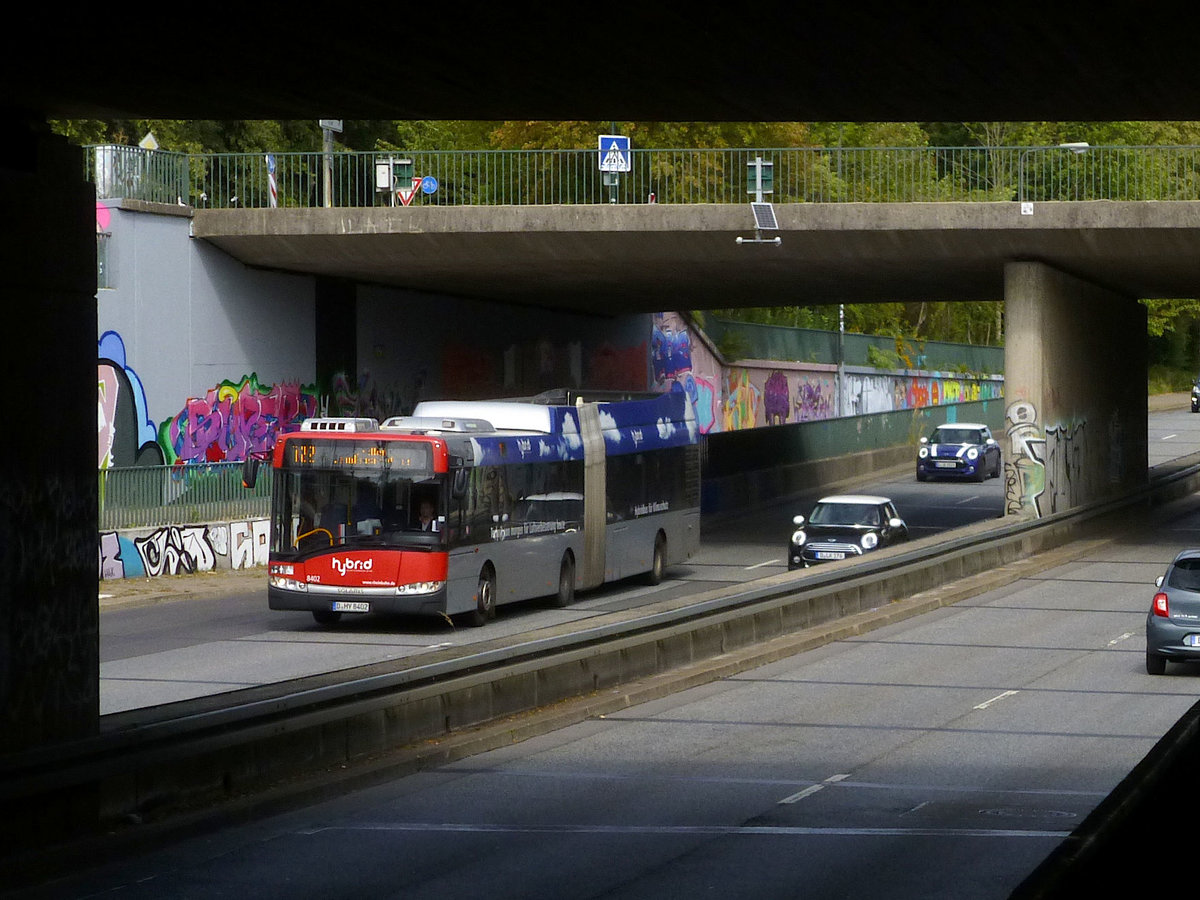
(1163, 316)
(1162, 379)
(883, 359)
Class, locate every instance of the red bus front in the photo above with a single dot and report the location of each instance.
(358, 524)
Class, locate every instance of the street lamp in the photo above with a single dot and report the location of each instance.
(1027, 205)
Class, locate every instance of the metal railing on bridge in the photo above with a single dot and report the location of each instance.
(150, 496)
(559, 177)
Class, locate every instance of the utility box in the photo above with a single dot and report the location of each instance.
(760, 176)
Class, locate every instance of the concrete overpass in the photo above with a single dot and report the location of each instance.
(622, 259)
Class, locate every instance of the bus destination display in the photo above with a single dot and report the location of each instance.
(329, 454)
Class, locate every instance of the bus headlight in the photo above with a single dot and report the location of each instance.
(870, 540)
(420, 587)
(799, 537)
(277, 580)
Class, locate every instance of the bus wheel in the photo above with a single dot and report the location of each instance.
(566, 582)
(655, 575)
(485, 599)
(326, 617)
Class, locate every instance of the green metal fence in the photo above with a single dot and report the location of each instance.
(758, 341)
(559, 177)
(150, 496)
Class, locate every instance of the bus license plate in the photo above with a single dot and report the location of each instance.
(829, 554)
(351, 606)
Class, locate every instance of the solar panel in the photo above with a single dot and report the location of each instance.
(764, 216)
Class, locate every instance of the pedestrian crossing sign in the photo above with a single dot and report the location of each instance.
(614, 155)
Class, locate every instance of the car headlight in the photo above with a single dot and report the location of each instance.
(799, 537)
(972, 453)
(870, 540)
(923, 452)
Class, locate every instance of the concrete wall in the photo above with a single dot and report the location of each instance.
(202, 358)
(1075, 408)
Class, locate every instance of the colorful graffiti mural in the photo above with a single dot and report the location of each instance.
(1043, 467)
(759, 395)
(234, 420)
(127, 436)
(679, 363)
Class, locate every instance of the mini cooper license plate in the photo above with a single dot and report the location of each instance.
(945, 465)
(829, 554)
(351, 606)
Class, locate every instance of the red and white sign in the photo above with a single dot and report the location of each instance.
(406, 194)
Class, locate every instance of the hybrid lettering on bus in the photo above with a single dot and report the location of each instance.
(466, 505)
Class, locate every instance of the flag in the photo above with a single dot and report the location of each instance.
(273, 199)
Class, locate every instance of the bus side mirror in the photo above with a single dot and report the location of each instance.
(458, 486)
(250, 471)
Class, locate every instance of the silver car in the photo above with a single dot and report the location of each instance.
(1173, 623)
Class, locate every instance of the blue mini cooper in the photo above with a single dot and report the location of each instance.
(959, 450)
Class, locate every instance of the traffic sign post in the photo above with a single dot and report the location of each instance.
(614, 157)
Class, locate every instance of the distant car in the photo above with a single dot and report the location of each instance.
(1196, 396)
(844, 526)
(1173, 623)
(959, 450)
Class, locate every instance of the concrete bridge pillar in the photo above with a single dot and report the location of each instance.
(49, 645)
(1075, 391)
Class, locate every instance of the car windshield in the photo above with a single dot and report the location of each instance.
(845, 514)
(956, 436)
(1185, 575)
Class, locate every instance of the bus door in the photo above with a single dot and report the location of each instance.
(594, 501)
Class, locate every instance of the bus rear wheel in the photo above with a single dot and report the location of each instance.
(658, 562)
(326, 616)
(485, 599)
(566, 582)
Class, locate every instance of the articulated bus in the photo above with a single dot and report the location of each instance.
(465, 505)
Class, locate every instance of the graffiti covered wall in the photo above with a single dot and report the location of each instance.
(183, 549)
(758, 393)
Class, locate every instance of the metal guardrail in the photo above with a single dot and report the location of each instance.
(559, 177)
(150, 496)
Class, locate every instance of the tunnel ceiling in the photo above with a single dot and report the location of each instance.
(751, 62)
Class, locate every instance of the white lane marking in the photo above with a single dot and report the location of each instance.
(986, 703)
(682, 830)
(1126, 636)
(800, 795)
(915, 808)
(812, 789)
(1169, 436)
(769, 562)
(968, 500)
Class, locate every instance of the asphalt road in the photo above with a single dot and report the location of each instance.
(944, 756)
(203, 634)
(178, 638)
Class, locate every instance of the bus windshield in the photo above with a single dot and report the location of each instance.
(315, 509)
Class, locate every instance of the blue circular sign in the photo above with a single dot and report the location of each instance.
(429, 184)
